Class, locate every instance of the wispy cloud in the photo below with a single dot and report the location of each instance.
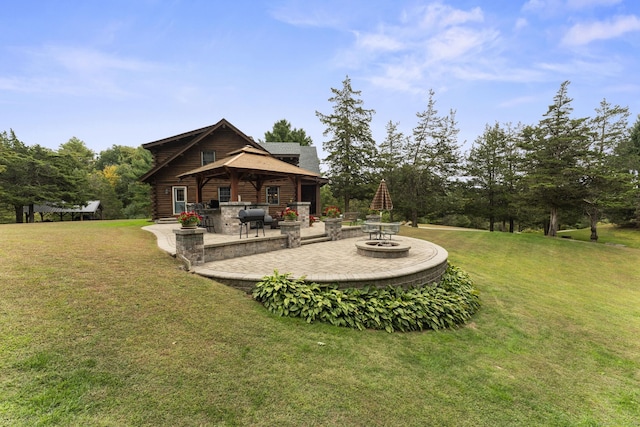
(553, 6)
(419, 44)
(76, 71)
(586, 32)
(306, 15)
(378, 42)
(86, 60)
(583, 4)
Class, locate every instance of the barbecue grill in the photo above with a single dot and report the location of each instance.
(257, 216)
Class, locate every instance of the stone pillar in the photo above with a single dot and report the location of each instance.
(303, 212)
(292, 231)
(333, 228)
(228, 219)
(190, 245)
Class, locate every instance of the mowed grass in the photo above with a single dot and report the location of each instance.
(99, 327)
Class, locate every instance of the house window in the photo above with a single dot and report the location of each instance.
(179, 200)
(273, 195)
(224, 194)
(207, 157)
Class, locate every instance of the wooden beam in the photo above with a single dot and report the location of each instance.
(234, 185)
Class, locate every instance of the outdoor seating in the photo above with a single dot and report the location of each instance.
(351, 217)
(389, 229)
(381, 230)
(371, 229)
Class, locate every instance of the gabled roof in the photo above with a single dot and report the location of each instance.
(252, 161)
(190, 139)
(307, 155)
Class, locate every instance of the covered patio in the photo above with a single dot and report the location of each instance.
(258, 168)
(252, 165)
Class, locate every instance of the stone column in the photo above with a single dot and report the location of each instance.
(303, 212)
(292, 231)
(333, 228)
(190, 246)
(228, 219)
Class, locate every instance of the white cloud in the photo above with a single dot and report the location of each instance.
(76, 71)
(306, 14)
(378, 42)
(86, 60)
(585, 33)
(457, 43)
(521, 23)
(439, 15)
(552, 6)
(584, 4)
(420, 45)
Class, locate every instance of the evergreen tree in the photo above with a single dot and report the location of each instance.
(556, 150)
(432, 159)
(485, 165)
(352, 150)
(77, 149)
(34, 175)
(605, 184)
(282, 132)
(391, 158)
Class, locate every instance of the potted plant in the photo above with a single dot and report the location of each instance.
(332, 212)
(312, 219)
(189, 219)
(290, 214)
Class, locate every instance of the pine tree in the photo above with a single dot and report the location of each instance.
(352, 150)
(605, 184)
(555, 153)
(432, 159)
(282, 132)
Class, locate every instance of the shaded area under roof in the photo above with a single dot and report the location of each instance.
(253, 165)
(91, 207)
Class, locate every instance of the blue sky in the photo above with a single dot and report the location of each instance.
(134, 71)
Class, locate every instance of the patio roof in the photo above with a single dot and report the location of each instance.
(253, 165)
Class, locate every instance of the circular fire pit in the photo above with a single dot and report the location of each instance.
(382, 248)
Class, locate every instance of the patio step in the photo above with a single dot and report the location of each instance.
(307, 240)
(169, 220)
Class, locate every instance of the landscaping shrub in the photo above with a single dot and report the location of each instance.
(447, 304)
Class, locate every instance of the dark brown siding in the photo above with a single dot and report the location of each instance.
(222, 141)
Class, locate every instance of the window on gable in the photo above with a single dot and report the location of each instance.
(207, 157)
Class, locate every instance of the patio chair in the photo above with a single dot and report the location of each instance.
(371, 229)
(390, 229)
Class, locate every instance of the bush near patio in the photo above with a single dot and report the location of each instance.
(448, 304)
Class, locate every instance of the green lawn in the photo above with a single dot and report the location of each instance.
(98, 327)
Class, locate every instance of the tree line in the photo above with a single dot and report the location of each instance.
(71, 176)
(554, 173)
(550, 174)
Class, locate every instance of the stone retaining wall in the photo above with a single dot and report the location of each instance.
(258, 245)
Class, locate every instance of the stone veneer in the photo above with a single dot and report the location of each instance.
(333, 228)
(291, 229)
(244, 247)
(303, 212)
(190, 246)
